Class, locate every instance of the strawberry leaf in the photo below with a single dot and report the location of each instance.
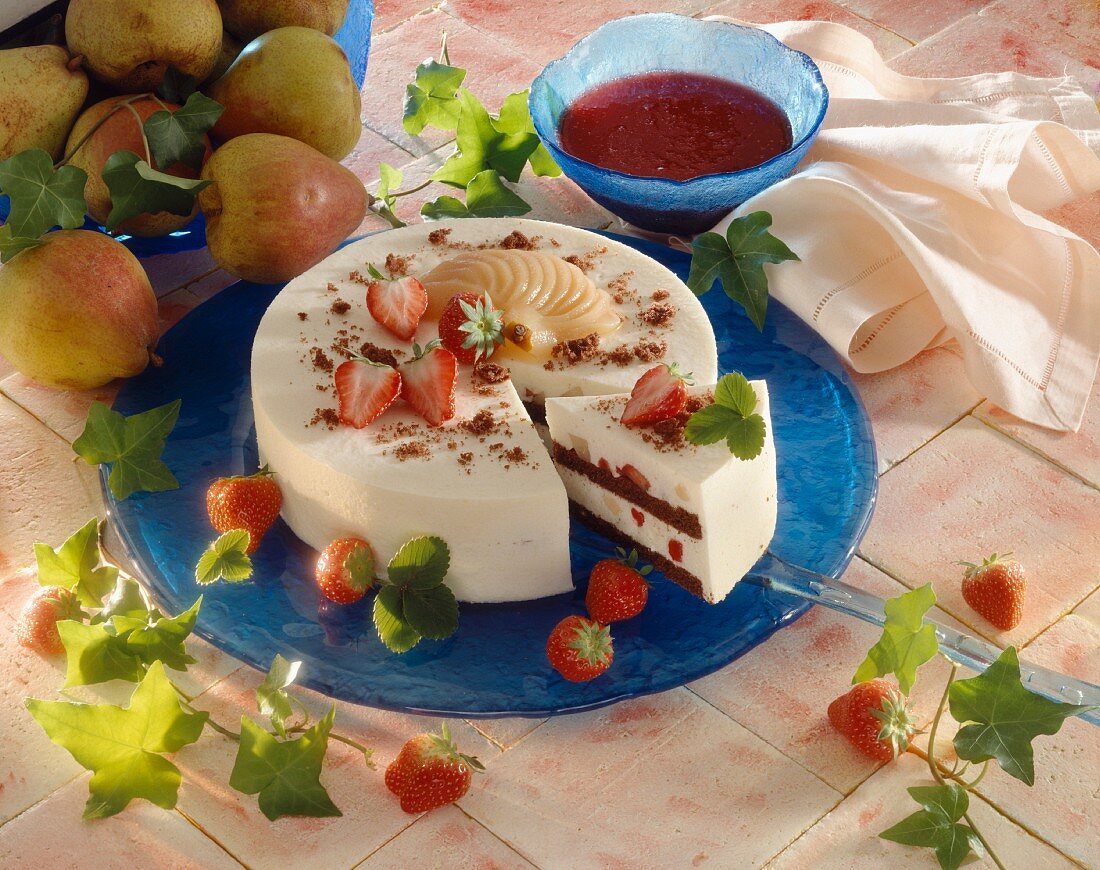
(227, 559)
(737, 260)
(154, 638)
(430, 98)
(285, 774)
(137, 188)
(486, 196)
(515, 117)
(271, 695)
(433, 612)
(1000, 718)
(41, 196)
(420, 564)
(907, 642)
(389, 620)
(96, 654)
(731, 418)
(180, 136)
(480, 146)
(131, 445)
(124, 746)
(75, 565)
(936, 826)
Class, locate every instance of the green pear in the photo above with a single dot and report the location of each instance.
(129, 44)
(277, 206)
(77, 311)
(249, 18)
(293, 81)
(41, 91)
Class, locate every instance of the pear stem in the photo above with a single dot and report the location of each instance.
(444, 56)
(95, 127)
(141, 127)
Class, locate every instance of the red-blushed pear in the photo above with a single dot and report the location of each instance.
(77, 311)
(277, 206)
(122, 131)
(41, 91)
(249, 18)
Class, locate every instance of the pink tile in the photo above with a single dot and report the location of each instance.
(372, 815)
(44, 494)
(371, 150)
(495, 70)
(389, 13)
(660, 781)
(550, 28)
(1072, 26)
(790, 714)
(847, 838)
(1071, 645)
(506, 733)
(914, 21)
(887, 42)
(913, 403)
(1063, 806)
(451, 833)
(63, 411)
(979, 44)
(971, 492)
(51, 834)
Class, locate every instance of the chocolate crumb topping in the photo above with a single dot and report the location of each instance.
(465, 458)
(326, 417)
(321, 360)
(332, 288)
(482, 423)
(378, 354)
(340, 306)
(658, 314)
(517, 454)
(397, 266)
(517, 241)
(412, 450)
(491, 372)
(439, 237)
(620, 356)
(659, 295)
(303, 316)
(578, 350)
(648, 351)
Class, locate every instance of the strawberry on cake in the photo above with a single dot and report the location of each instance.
(394, 384)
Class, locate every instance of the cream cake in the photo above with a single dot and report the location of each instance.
(700, 514)
(483, 479)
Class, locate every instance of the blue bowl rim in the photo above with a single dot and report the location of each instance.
(808, 63)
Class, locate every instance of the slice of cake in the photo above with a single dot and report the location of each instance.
(699, 513)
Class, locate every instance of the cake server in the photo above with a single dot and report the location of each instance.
(773, 572)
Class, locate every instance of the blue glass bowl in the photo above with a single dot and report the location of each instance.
(666, 42)
(827, 486)
(354, 38)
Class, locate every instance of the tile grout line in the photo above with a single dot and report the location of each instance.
(991, 425)
(42, 799)
(968, 412)
(496, 836)
(211, 837)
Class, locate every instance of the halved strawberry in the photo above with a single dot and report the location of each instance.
(470, 327)
(659, 394)
(365, 389)
(397, 304)
(428, 382)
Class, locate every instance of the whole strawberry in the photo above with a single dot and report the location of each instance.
(580, 649)
(251, 503)
(36, 627)
(875, 718)
(430, 772)
(995, 589)
(659, 394)
(470, 327)
(345, 570)
(617, 588)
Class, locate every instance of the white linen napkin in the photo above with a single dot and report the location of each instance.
(915, 217)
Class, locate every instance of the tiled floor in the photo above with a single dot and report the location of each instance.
(739, 769)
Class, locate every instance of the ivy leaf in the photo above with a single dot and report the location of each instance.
(160, 638)
(481, 146)
(137, 188)
(124, 746)
(389, 620)
(179, 136)
(176, 87)
(41, 197)
(96, 654)
(731, 417)
(389, 180)
(126, 600)
(1000, 717)
(284, 773)
(132, 445)
(515, 117)
(738, 262)
(907, 642)
(75, 565)
(227, 559)
(430, 97)
(937, 824)
(271, 694)
(486, 196)
(11, 245)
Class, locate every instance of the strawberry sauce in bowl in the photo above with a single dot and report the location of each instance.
(671, 122)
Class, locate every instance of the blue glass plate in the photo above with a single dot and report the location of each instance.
(354, 38)
(495, 664)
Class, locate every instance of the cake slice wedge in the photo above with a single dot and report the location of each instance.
(701, 515)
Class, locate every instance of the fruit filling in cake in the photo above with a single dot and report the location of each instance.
(684, 473)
